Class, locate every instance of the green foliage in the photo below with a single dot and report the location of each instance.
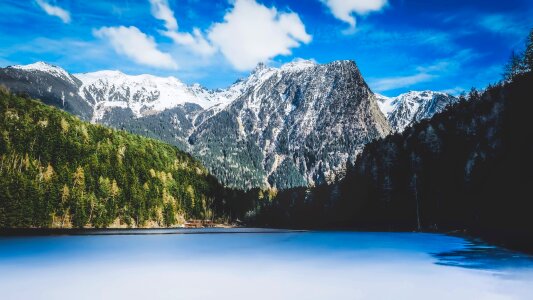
(58, 171)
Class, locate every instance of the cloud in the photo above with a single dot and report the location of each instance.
(391, 83)
(161, 11)
(195, 41)
(253, 33)
(55, 11)
(250, 33)
(137, 46)
(455, 91)
(439, 68)
(344, 10)
(369, 35)
(503, 24)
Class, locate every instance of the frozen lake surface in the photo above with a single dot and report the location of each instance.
(262, 264)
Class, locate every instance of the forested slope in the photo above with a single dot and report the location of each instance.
(468, 168)
(57, 171)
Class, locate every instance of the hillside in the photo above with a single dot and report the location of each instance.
(278, 127)
(58, 171)
(468, 168)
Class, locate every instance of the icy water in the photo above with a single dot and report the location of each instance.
(248, 264)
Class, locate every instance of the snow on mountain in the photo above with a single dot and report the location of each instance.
(291, 126)
(386, 104)
(412, 107)
(143, 94)
(294, 125)
(46, 68)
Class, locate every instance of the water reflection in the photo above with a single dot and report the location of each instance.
(479, 255)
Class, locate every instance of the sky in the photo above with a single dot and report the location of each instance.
(399, 45)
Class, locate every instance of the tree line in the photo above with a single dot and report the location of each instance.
(469, 167)
(58, 171)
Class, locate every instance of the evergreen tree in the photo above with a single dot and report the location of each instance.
(528, 56)
(514, 67)
(57, 171)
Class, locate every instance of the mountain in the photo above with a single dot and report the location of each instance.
(412, 107)
(51, 84)
(144, 95)
(295, 125)
(280, 127)
(58, 171)
(469, 168)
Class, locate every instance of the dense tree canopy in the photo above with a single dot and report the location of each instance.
(469, 167)
(57, 171)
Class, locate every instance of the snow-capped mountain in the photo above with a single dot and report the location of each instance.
(412, 107)
(143, 94)
(282, 127)
(47, 69)
(51, 84)
(294, 125)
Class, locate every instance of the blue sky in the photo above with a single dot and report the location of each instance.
(399, 45)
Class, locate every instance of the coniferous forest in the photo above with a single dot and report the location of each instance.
(57, 171)
(468, 168)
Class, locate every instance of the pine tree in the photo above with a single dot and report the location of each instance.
(528, 55)
(514, 67)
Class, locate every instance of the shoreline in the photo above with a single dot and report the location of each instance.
(28, 232)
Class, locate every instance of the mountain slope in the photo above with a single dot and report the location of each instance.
(412, 107)
(468, 168)
(299, 124)
(53, 85)
(58, 171)
(144, 95)
(280, 127)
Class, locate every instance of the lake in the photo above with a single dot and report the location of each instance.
(259, 264)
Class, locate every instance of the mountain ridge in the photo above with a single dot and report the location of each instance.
(294, 125)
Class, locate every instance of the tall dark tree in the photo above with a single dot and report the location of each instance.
(515, 66)
(528, 55)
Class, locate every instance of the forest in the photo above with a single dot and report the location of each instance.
(57, 171)
(468, 168)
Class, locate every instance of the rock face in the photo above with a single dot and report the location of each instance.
(412, 107)
(53, 85)
(280, 127)
(295, 125)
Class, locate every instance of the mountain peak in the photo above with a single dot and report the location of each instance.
(298, 65)
(40, 66)
(45, 67)
(260, 66)
(413, 106)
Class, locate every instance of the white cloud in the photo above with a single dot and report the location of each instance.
(136, 45)
(195, 41)
(439, 68)
(503, 24)
(456, 91)
(386, 84)
(55, 11)
(161, 11)
(344, 10)
(253, 33)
